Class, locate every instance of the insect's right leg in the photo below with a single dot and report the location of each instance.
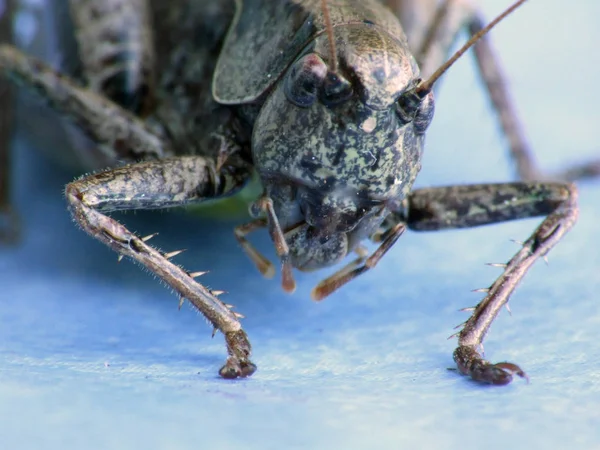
(452, 207)
(161, 184)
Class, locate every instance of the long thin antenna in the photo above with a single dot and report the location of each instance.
(425, 87)
(332, 50)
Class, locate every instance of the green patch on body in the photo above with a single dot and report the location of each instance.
(234, 207)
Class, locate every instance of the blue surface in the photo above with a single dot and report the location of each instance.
(94, 354)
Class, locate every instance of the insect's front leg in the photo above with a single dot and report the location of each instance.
(160, 184)
(473, 205)
(9, 226)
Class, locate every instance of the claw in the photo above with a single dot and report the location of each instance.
(238, 364)
(234, 369)
(513, 369)
(471, 364)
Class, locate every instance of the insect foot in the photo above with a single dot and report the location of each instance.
(471, 363)
(238, 364)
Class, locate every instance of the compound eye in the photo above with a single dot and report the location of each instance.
(304, 79)
(336, 89)
(407, 107)
(413, 108)
(424, 114)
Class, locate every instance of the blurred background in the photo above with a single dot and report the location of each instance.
(95, 354)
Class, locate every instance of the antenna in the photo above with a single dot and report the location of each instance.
(332, 50)
(425, 86)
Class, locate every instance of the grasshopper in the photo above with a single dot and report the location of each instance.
(329, 104)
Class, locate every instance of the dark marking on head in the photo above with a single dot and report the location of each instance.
(310, 162)
(341, 151)
(379, 75)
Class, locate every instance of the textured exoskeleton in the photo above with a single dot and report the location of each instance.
(326, 105)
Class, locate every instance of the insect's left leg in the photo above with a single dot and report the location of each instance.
(160, 184)
(473, 205)
(496, 84)
(432, 27)
(9, 226)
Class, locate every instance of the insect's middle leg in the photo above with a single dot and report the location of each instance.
(116, 50)
(432, 26)
(117, 132)
(496, 84)
(473, 205)
(161, 184)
